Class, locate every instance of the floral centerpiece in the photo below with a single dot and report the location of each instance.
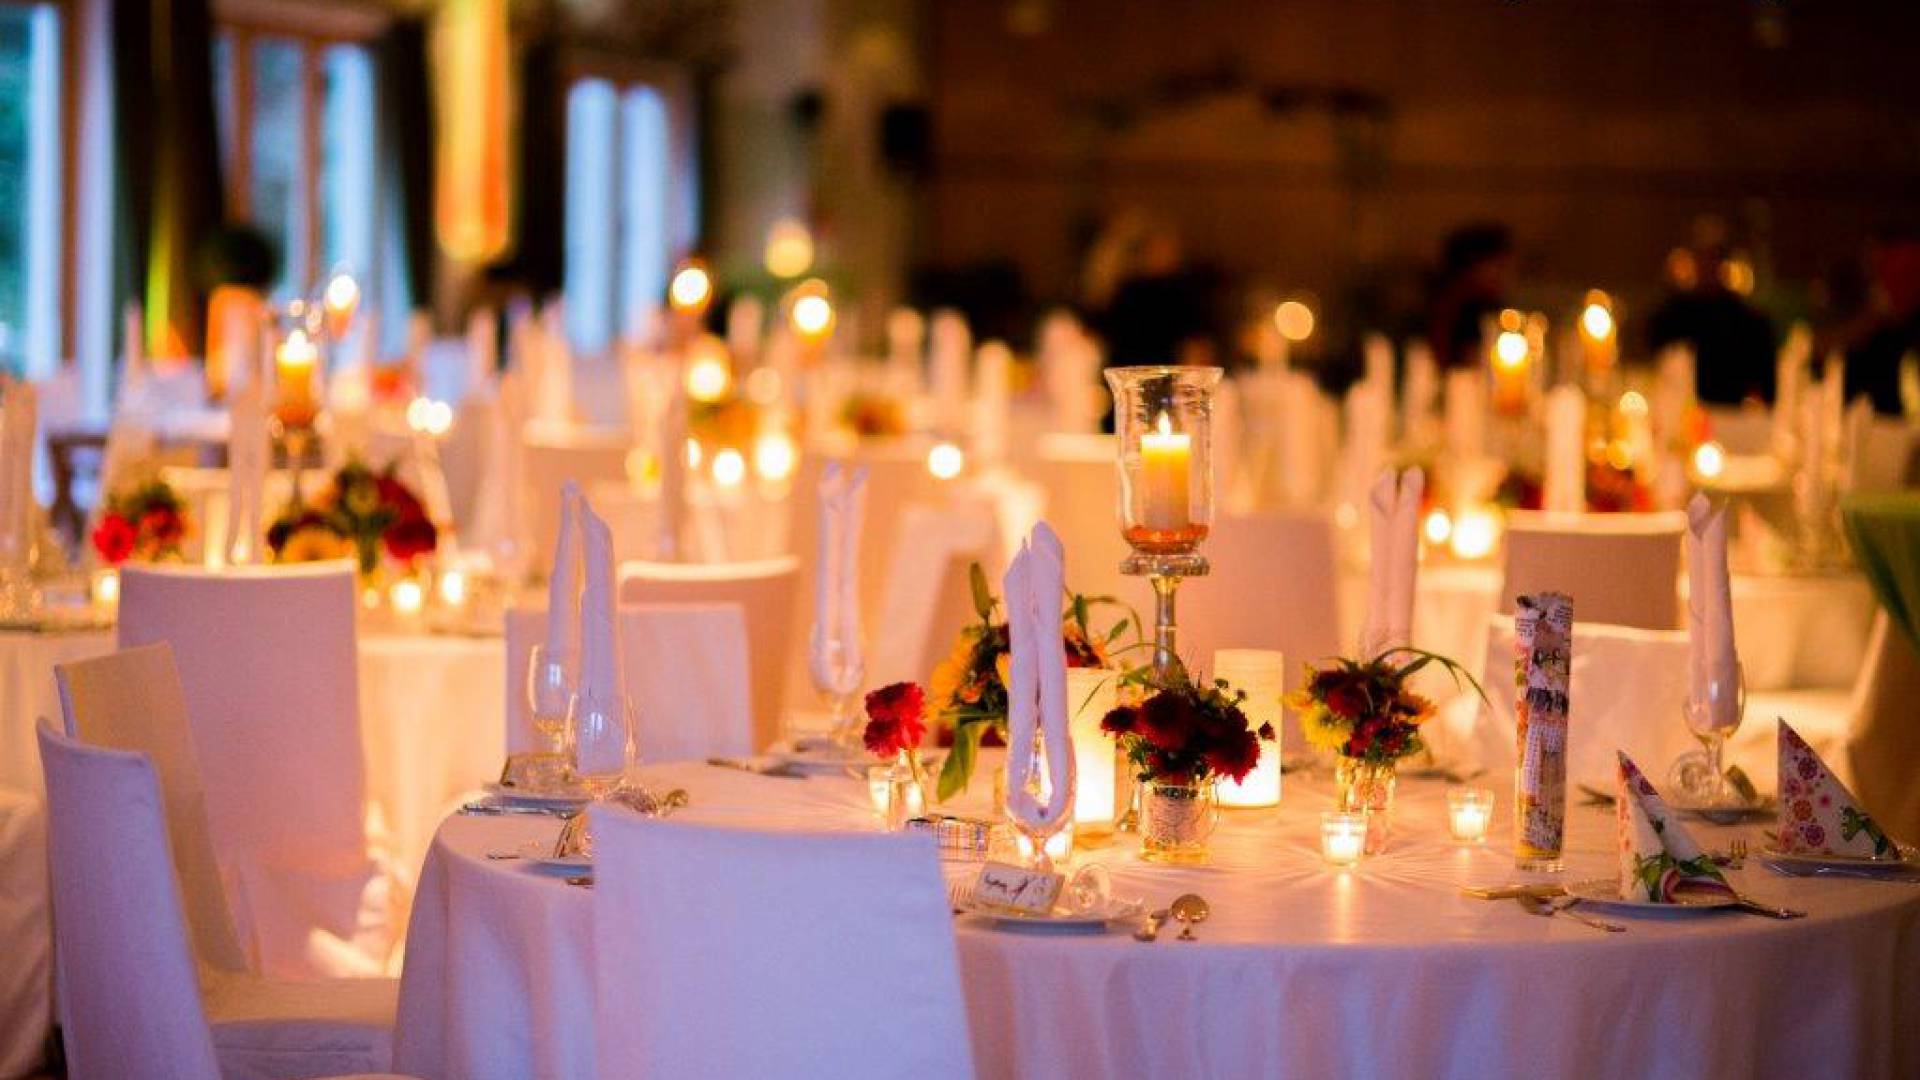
(1180, 738)
(967, 692)
(896, 725)
(1609, 490)
(361, 513)
(145, 522)
(1367, 714)
(873, 416)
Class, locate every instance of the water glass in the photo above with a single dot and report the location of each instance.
(837, 667)
(551, 678)
(600, 741)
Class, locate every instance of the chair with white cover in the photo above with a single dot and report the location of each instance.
(686, 670)
(27, 976)
(1076, 473)
(130, 1001)
(1639, 715)
(1620, 569)
(1272, 586)
(133, 700)
(766, 591)
(268, 660)
(585, 455)
(724, 952)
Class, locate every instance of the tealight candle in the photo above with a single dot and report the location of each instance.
(1469, 810)
(453, 589)
(880, 789)
(407, 597)
(1343, 837)
(106, 590)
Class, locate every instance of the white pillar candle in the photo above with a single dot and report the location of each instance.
(1165, 456)
(1090, 697)
(1262, 674)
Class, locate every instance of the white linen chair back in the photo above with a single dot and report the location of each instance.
(1272, 586)
(28, 972)
(767, 594)
(1881, 744)
(130, 1000)
(686, 669)
(587, 456)
(267, 658)
(1606, 713)
(1078, 479)
(1620, 569)
(133, 701)
(729, 952)
(928, 598)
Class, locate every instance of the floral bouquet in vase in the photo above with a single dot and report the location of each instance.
(1367, 714)
(896, 725)
(967, 691)
(145, 521)
(361, 514)
(1180, 739)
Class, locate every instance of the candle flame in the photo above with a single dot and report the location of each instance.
(1164, 424)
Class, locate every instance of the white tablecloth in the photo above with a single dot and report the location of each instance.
(1793, 633)
(1302, 970)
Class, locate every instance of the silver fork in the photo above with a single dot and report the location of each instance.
(1547, 909)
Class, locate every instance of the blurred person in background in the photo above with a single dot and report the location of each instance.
(1472, 283)
(1733, 342)
(1887, 326)
(1157, 309)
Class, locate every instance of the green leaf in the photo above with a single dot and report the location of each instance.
(1080, 616)
(982, 595)
(957, 770)
(1118, 629)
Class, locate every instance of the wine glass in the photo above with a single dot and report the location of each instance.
(1713, 717)
(551, 676)
(600, 732)
(1040, 787)
(837, 666)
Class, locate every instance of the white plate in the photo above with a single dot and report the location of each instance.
(545, 800)
(824, 759)
(1909, 860)
(570, 863)
(1064, 921)
(1605, 892)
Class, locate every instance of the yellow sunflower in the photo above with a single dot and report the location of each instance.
(1323, 729)
(313, 543)
(943, 684)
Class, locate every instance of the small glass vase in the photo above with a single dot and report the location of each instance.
(1367, 787)
(1176, 820)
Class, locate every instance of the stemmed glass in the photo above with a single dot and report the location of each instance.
(837, 667)
(600, 733)
(1703, 776)
(1040, 786)
(551, 677)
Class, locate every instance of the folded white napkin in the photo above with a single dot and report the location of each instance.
(553, 380)
(1037, 680)
(133, 357)
(836, 593)
(564, 604)
(1377, 352)
(1466, 413)
(906, 338)
(1305, 438)
(1395, 519)
(1566, 474)
(948, 353)
(1790, 380)
(248, 447)
(1818, 815)
(1711, 653)
(19, 417)
(483, 348)
(1368, 420)
(992, 390)
(745, 324)
(599, 628)
(1659, 858)
(1422, 391)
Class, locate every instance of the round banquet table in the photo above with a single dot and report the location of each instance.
(1384, 970)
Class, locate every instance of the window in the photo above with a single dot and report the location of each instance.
(629, 189)
(298, 131)
(30, 171)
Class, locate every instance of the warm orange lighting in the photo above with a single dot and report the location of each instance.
(472, 77)
(1737, 275)
(812, 312)
(1510, 320)
(1633, 403)
(774, 456)
(429, 417)
(1596, 322)
(709, 373)
(789, 250)
(1709, 460)
(1439, 527)
(1294, 320)
(691, 288)
(1510, 350)
(1476, 534)
(945, 461)
(729, 468)
(341, 299)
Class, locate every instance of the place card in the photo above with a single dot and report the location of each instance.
(1016, 888)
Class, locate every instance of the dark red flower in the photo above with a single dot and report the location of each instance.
(1235, 755)
(410, 537)
(1347, 700)
(163, 525)
(896, 719)
(1169, 721)
(1121, 721)
(1266, 732)
(113, 538)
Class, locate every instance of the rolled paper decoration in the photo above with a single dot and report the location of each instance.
(1543, 654)
(563, 585)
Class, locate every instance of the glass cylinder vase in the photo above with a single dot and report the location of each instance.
(1164, 419)
(1176, 820)
(1367, 787)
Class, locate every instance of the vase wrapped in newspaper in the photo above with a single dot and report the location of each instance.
(1543, 655)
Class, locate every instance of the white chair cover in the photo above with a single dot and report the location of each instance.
(587, 456)
(767, 593)
(733, 953)
(1272, 586)
(1607, 713)
(927, 598)
(1882, 747)
(26, 979)
(685, 667)
(1076, 475)
(133, 701)
(131, 1005)
(1620, 569)
(267, 657)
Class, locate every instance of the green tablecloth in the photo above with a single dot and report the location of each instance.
(1884, 528)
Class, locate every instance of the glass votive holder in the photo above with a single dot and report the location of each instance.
(1163, 417)
(1343, 836)
(1469, 812)
(880, 789)
(104, 591)
(895, 794)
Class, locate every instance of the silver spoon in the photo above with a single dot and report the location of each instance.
(1151, 930)
(1190, 908)
(1547, 909)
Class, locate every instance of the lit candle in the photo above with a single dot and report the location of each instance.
(1165, 456)
(453, 589)
(729, 469)
(293, 365)
(340, 300)
(880, 789)
(1090, 697)
(1469, 810)
(945, 461)
(106, 590)
(690, 290)
(408, 597)
(1059, 846)
(1261, 673)
(1343, 837)
(1598, 344)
